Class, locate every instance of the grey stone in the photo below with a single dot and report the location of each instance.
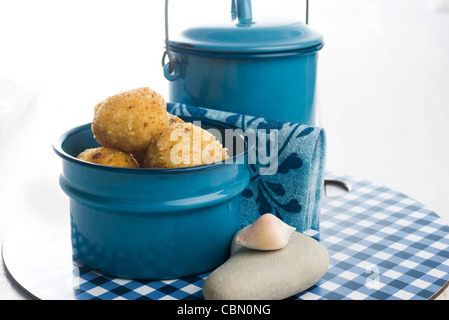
(268, 275)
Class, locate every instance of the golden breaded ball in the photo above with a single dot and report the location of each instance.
(127, 121)
(97, 106)
(108, 157)
(140, 156)
(174, 119)
(184, 145)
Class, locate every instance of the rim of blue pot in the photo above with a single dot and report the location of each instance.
(184, 49)
(57, 147)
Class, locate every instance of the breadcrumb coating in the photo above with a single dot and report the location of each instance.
(129, 120)
(174, 119)
(183, 145)
(108, 157)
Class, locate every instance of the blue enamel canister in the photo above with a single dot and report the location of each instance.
(260, 68)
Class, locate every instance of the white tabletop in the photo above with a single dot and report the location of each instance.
(383, 93)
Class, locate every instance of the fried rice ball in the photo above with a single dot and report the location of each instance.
(127, 121)
(140, 155)
(184, 145)
(97, 106)
(108, 157)
(174, 119)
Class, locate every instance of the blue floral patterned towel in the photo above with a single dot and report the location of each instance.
(294, 191)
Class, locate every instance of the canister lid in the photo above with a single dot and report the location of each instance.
(250, 37)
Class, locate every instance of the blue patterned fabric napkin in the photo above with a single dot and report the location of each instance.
(293, 186)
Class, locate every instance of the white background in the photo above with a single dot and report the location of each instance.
(383, 87)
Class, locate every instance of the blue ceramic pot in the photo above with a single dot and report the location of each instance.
(150, 223)
(260, 68)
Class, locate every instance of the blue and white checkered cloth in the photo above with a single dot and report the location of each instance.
(294, 193)
(382, 244)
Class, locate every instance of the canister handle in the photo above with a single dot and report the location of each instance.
(307, 11)
(240, 9)
(169, 69)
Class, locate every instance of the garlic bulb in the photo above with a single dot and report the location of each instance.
(268, 232)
